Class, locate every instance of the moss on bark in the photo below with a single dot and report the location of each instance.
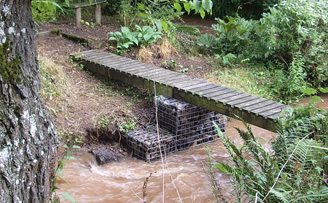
(9, 67)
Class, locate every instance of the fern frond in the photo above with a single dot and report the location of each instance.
(283, 196)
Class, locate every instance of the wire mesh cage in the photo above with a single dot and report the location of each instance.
(187, 120)
(182, 125)
(144, 143)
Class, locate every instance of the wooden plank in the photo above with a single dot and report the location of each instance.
(161, 74)
(104, 59)
(234, 98)
(273, 112)
(203, 88)
(148, 73)
(174, 78)
(203, 84)
(131, 68)
(223, 96)
(180, 81)
(135, 70)
(171, 81)
(98, 14)
(253, 107)
(120, 65)
(250, 103)
(267, 108)
(244, 100)
(170, 76)
(220, 92)
(95, 55)
(212, 90)
(187, 84)
(78, 17)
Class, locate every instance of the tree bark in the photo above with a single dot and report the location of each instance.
(28, 138)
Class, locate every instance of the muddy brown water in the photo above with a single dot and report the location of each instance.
(123, 182)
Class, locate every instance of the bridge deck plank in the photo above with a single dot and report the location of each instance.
(253, 109)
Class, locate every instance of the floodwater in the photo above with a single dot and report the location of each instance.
(323, 104)
(123, 182)
(184, 177)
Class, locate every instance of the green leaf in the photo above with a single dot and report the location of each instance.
(159, 25)
(202, 12)
(221, 168)
(125, 30)
(315, 99)
(197, 5)
(207, 5)
(178, 7)
(141, 7)
(309, 91)
(65, 146)
(68, 197)
(147, 37)
(317, 147)
(323, 90)
(164, 25)
(187, 7)
(76, 147)
(143, 15)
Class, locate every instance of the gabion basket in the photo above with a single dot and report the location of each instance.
(181, 125)
(187, 122)
(144, 143)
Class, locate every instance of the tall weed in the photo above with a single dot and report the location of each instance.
(293, 172)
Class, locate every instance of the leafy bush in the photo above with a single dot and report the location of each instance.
(145, 35)
(124, 39)
(44, 10)
(294, 172)
(290, 40)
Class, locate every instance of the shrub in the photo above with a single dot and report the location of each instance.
(44, 10)
(125, 39)
(295, 171)
(290, 40)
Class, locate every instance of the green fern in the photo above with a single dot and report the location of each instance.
(293, 173)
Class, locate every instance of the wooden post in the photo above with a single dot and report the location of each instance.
(78, 17)
(98, 14)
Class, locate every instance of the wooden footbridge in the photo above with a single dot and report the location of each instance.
(254, 110)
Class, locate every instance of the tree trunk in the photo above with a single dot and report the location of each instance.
(28, 138)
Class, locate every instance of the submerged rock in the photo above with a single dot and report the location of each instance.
(104, 155)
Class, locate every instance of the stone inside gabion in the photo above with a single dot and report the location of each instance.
(181, 125)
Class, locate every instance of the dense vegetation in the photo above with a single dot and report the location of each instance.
(294, 170)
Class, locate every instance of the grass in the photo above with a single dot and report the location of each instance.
(253, 80)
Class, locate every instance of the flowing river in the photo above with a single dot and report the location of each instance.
(122, 182)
